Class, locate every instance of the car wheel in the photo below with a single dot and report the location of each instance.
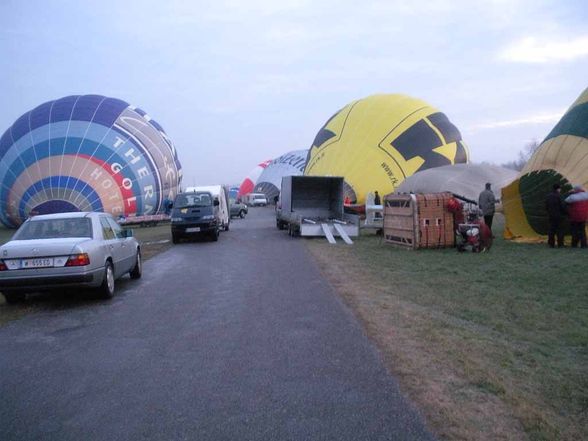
(106, 290)
(214, 235)
(242, 214)
(14, 297)
(138, 268)
(175, 238)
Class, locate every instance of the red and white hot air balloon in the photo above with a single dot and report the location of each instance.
(249, 182)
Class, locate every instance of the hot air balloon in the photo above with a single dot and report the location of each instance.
(463, 179)
(85, 153)
(250, 180)
(378, 141)
(289, 164)
(562, 158)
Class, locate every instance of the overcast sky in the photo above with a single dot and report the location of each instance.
(237, 82)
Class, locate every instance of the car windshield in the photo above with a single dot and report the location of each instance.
(259, 196)
(193, 200)
(55, 228)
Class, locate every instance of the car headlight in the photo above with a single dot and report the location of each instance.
(176, 219)
(208, 217)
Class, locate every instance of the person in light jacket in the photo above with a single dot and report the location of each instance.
(487, 203)
(578, 214)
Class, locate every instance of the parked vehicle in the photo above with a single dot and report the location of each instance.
(313, 206)
(238, 209)
(221, 193)
(256, 199)
(66, 250)
(197, 213)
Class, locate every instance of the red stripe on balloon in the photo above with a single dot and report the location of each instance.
(130, 201)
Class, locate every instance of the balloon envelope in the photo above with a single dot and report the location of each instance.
(85, 153)
(250, 180)
(562, 158)
(377, 142)
(289, 164)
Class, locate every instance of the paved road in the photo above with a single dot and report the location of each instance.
(236, 340)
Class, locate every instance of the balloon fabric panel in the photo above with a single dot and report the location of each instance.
(85, 152)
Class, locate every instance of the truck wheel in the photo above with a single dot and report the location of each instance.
(242, 214)
(106, 290)
(138, 268)
(14, 297)
(214, 235)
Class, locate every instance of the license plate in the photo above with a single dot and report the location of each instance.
(36, 263)
(193, 230)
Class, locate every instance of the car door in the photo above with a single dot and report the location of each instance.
(111, 244)
(125, 244)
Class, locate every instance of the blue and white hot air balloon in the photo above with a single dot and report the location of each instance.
(86, 153)
(289, 164)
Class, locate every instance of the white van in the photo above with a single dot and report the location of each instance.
(218, 192)
(257, 199)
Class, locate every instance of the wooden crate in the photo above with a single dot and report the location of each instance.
(418, 220)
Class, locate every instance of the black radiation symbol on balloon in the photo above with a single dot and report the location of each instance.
(421, 140)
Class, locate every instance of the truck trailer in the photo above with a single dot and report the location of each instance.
(313, 206)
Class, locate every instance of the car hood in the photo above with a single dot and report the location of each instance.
(41, 247)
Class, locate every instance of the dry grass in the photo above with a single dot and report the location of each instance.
(491, 346)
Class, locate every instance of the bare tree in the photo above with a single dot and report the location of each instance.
(524, 156)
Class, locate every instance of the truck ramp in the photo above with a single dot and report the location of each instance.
(342, 233)
(328, 233)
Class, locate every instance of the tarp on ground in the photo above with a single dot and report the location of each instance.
(464, 179)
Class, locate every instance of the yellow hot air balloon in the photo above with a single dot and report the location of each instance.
(378, 141)
(562, 158)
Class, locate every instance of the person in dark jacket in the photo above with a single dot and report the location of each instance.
(487, 203)
(377, 200)
(556, 211)
(578, 214)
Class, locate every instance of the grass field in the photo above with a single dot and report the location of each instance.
(5, 234)
(490, 346)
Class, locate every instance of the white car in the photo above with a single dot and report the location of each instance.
(65, 250)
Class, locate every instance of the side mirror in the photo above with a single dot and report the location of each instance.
(127, 232)
(216, 203)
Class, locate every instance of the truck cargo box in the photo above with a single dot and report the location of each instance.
(313, 206)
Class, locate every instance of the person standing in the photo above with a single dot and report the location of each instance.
(578, 214)
(487, 203)
(377, 200)
(556, 210)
